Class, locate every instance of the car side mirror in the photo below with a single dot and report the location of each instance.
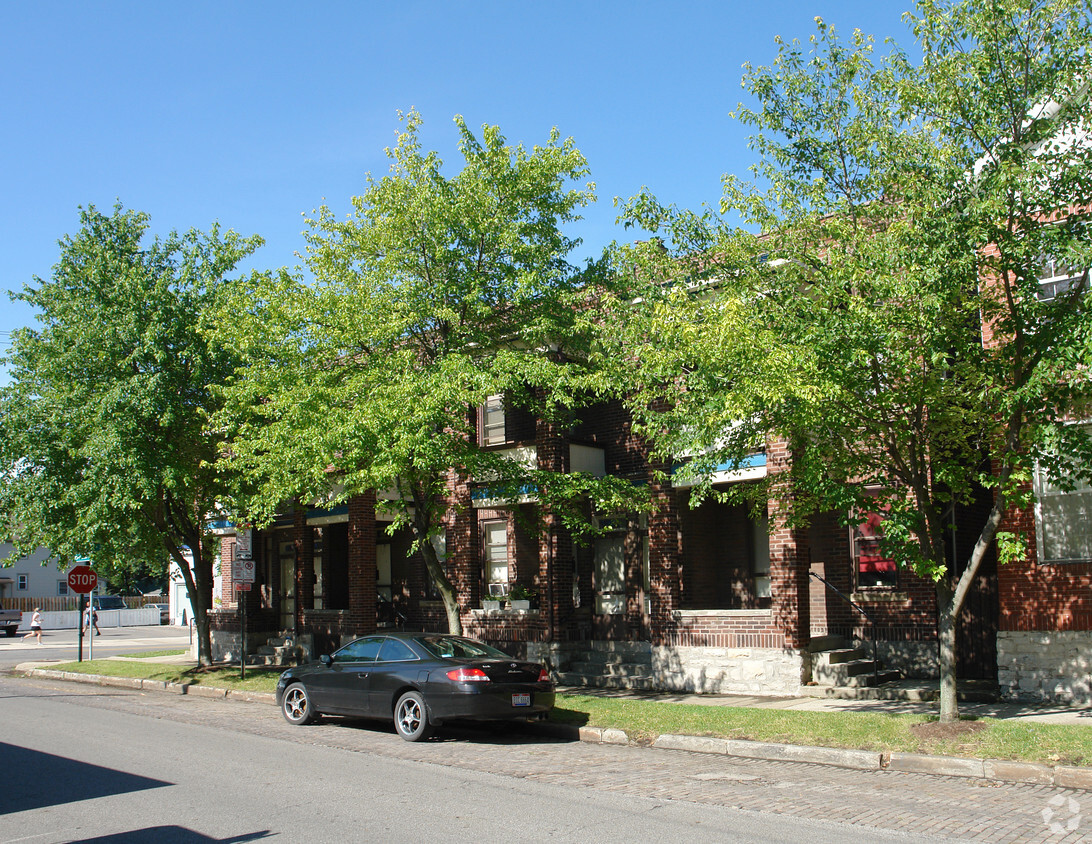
(326, 659)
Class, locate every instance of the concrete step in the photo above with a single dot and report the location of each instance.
(828, 643)
(856, 672)
(612, 669)
(970, 691)
(841, 655)
(600, 681)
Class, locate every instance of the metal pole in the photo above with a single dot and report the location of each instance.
(90, 626)
(79, 625)
(242, 652)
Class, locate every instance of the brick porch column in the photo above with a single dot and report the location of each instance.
(362, 564)
(664, 562)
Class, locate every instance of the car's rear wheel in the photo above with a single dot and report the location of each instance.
(296, 705)
(411, 717)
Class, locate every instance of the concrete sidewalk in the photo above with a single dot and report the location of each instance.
(1041, 713)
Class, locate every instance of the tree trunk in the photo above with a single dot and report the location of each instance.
(946, 644)
(423, 530)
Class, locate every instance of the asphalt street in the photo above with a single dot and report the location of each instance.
(182, 768)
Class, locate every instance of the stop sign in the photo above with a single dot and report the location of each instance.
(82, 580)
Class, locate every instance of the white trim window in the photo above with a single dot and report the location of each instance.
(1063, 528)
(495, 546)
(62, 588)
(1057, 278)
(492, 414)
(22, 582)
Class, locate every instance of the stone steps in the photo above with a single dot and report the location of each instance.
(601, 681)
(610, 665)
(971, 691)
(837, 664)
(278, 651)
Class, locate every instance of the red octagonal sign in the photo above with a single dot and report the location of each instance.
(82, 580)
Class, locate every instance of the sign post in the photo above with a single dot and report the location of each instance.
(242, 575)
(82, 580)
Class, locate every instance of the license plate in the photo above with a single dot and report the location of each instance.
(521, 699)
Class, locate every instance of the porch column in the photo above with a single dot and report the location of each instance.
(554, 581)
(464, 566)
(305, 571)
(664, 562)
(362, 564)
(789, 563)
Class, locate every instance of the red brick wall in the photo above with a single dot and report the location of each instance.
(1035, 597)
(730, 629)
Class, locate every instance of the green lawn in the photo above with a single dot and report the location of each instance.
(1049, 744)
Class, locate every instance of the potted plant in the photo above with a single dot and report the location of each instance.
(521, 596)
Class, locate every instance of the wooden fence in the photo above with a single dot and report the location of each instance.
(67, 602)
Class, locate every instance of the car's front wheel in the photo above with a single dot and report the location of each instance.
(296, 705)
(411, 717)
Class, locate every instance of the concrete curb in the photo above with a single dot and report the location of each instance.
(999, 770)
(862, 760)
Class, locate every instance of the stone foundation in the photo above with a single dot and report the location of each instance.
(1045, 666)
(752, 671)
(916, 660)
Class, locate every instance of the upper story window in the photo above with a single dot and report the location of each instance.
(492, 431)
(21, 582)
(1056, 277)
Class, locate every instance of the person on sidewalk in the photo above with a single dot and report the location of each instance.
(91, 619)
(35, 625)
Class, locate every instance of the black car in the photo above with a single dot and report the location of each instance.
(419, 680)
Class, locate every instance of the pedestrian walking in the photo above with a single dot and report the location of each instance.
(91, 619)
(35, 625)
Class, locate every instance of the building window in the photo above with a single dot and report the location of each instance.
(495, 545)
(873, 570)
(62, 587)
(493, 421)
(1063, 533)
(1057, 278)
(760, 565)
(21, 582)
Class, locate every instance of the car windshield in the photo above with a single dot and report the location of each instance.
(447, 647)
(108, 602)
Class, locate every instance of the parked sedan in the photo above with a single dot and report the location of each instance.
(420, 680)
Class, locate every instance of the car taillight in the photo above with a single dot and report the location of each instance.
(543, 676)
(468, 675)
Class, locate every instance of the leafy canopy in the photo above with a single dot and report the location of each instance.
(433, 294)
(105, 449)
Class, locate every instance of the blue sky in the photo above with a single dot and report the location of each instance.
(252, 114)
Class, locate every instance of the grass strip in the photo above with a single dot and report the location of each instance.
(1026, 741)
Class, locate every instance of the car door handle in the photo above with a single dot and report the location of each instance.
(363, 676)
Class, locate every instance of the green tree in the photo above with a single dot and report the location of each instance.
(435, 294)
(105, 448)
(873, 297)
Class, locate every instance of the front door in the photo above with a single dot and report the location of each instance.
(609, 610)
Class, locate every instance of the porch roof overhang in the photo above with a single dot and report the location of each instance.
(751, 468)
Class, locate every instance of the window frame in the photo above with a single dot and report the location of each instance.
(490, 563)
(872, 519)
(22, 582)
(493, 433)
(1039, 484)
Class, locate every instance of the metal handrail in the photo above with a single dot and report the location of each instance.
(861, 610)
